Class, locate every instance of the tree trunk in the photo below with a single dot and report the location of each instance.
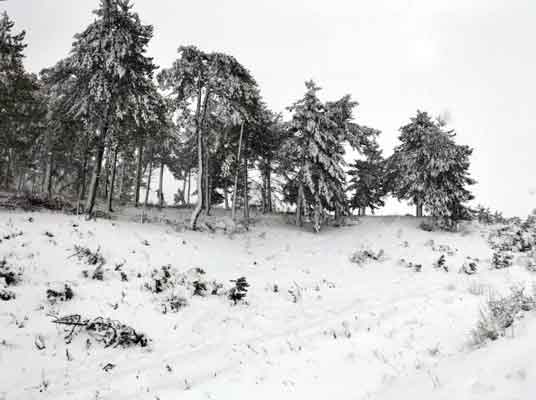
(122, 178)
(90, 203)
(112, 180)
(138, 174)
(226, 198)
(200, 153)
(246, 185)
(237, 173)
(83, 178)
(363, 211)
(148, 190)
(269, 187)
(161, 186)
(107, 172)
(189, 186)
(184, 188)
(299, 205)
(48, 178)
(317, 213)
(208, 189)
(418, 207)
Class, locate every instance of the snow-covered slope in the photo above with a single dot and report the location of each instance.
(313, 325)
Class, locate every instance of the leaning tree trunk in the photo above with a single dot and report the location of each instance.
(112, 180)
(237, 172)
(161, 186)
(200, 155)
(90, 203)
(138, 174)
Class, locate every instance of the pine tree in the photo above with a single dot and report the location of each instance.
(367, 179)
(204, 80)
(319, 132)
(430, 169)
(112, 76)
(20, 104)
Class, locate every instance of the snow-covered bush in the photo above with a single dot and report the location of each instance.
(360, 257)
(409, 264)
(500, 314)
(59, 293)
(88, 256)
(6, 295)
(173, 303)
(239, 291)
(469, 267)
(502, 259)
(9, 275)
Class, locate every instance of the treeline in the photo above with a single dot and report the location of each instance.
(100, 120)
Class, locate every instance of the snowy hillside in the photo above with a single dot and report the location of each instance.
(313, 323)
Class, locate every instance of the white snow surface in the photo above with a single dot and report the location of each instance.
(375, 331)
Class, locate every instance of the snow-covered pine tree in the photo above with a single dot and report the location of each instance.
(20, 105)
(367, 178)
(200, 80)
(317, 147)
(430, 169)
(112, 76)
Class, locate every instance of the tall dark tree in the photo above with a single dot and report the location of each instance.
(430, 169)
(112, 76)
(320, 132)
(20, 104)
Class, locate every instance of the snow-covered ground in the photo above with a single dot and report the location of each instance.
(375, 331)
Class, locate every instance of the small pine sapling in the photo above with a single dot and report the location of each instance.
(239, 291)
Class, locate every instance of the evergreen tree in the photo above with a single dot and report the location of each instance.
(319, 132)
(20, 104)
(367, 178)
(111, 76)
(430, 169)
(204, 80)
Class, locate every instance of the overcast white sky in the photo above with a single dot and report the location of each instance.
(474, 60)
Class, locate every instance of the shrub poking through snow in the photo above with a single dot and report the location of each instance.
(408, 264)
(360, 257)
(6, 295)
(502, 259)
(239, 291)
(200, 288)
(103, 330)
(442, 263)
(501, 314)
(162, 279)
(469, 267)
(56, 294)
(427, 226)
(10, 236)
(9, 275)
(89, 257)
(173, 304)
